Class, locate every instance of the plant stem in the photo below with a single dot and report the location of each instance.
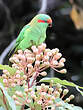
(4, 100)
(34, 78)
(22, 107)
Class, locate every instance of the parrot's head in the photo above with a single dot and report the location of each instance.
(43, 20)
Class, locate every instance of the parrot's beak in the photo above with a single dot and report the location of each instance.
(49, 21)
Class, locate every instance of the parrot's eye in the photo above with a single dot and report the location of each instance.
(49, 21)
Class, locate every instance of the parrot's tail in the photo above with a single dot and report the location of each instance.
(12, 51)
(10, 54)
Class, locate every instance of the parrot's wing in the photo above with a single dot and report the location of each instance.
(21, 35)
(19, 38)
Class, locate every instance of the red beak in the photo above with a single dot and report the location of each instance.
(49, 21)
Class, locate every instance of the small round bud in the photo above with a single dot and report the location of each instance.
(38, 57)
(63, 71)
(49, 53)
(25, 77)
(53, 108)
(11, 59)
(50, 102)
(32, 92)
(46, 63)
(5, 71)
(59, 104)
(67, 100)
(28, 101)
(42, 85)
(35, 50)
(58, 86)
(57, 56)
(17, 103)
(54, 62)
(16, 60)
(61, 64)
(33, 47)
(51, 82)
(23, 82)
(30, 66)
(46, 87)
(15, 66)
(43, 94)
(53, 98)
(26, 86)
(26, 90)
(20, 51)
(65, 91)
(14, 97)
(4, 76)
(19, 93)
(30, 89)
(22, 57)
(51, 89)
(37, 62)
(27, 51)
(48, 96)
(5, 81)
(47, 50)
(43, 73)
(71, 97)
(56, 94)
(46, 58)
(33, 96)
(6, 88)
(39, 102)
(13, 84)
(15, 80)
(39, 88)
(18, 72)
(62, 60)
(30, 59)
(17, 76)
(60, 90)
(43, 45)
(10, 80)
(54, 51)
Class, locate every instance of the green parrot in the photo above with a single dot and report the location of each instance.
(33, 33)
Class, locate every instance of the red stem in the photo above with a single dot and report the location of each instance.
(34, 78)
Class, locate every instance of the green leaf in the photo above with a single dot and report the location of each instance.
(9, 99)
(12, 90)
(1, 80)
(18, 107)
(62, 82)
(28, 109)
(11, 70)
(79, 90)
(37, 106)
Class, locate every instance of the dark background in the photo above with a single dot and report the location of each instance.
(14, 14)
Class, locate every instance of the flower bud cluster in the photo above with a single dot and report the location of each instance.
(37, 60)
(13, 80)
(33, 63)
(43, 95)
